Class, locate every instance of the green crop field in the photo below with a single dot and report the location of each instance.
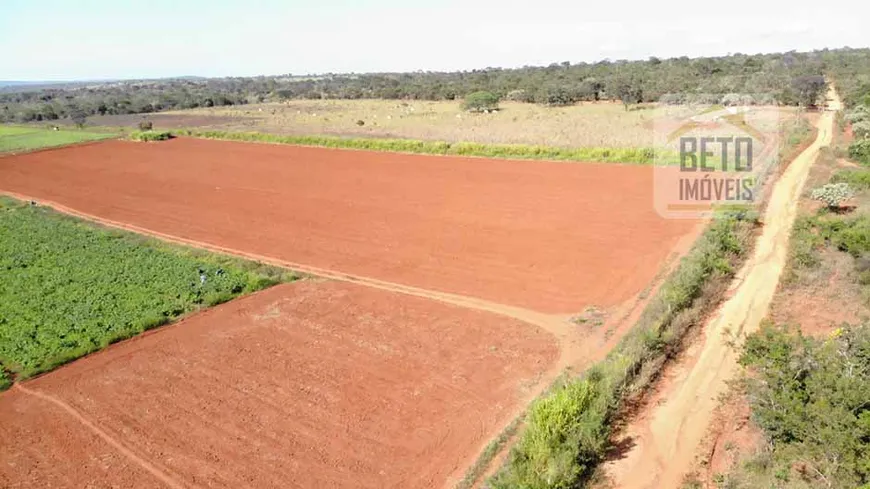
(14, 138)
(68, 288)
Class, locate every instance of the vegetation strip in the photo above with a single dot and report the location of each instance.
(645, 156)
(68, 288)
(568, 431)
(809, 394)
(14, 138)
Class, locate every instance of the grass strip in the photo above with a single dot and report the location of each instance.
(642, 156)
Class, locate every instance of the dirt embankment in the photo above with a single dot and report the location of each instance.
(666, 433)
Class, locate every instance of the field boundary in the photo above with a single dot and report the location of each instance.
(519, 152)
(557, 325)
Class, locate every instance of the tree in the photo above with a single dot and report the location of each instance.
(554, 96)
(809, 89)
(78, 117)
(480, 101)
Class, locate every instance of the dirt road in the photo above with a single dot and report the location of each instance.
(667, 432)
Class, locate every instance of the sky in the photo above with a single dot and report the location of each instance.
(111, 39)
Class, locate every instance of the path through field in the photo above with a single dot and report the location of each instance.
(667, 432)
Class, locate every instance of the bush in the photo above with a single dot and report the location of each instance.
(146, 126)
(833, 194)
(480, 101)
(861, 129)
(856, 178)
(860, 151)
(810, 396)
(151, 136)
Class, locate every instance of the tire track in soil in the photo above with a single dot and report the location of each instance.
(159, 474)
(572, 349)
(667, 432)
(558, 325)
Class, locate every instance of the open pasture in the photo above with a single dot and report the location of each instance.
(553, 237)
(309, 384)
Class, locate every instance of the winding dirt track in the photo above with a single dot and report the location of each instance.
(668, 432)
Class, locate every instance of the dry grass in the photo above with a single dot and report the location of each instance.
(587, 125)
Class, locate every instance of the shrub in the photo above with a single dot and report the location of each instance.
(858, 114)
(856, 178)
(810, 396)
(554, 96)
(480, 101)
(833, 194)
(151, 136)
(145, 126)
(860, 151)
(861, 129)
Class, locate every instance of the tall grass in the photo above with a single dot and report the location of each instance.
(645, 156)
(568, 431)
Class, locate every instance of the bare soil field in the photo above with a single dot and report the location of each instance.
(552, 237)
(309, 384)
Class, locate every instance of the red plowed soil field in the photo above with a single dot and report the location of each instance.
(553, 237)
(312, 384)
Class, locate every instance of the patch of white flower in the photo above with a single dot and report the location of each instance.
(833, 194)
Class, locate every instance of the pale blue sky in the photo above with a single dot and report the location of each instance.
(95, 39)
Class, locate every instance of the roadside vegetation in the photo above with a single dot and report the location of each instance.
(13, 138)
(809, 388)
(811, 398)
(568, 431)
(68, 288)
(518, 151)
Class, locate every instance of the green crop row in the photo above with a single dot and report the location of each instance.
(646, 156)
(68, 288)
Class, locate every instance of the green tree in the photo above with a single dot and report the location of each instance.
(480, 101)
(78, 117)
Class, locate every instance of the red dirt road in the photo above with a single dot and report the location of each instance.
(312, 384)
(552, 237)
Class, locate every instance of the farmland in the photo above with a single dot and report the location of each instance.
(548, 236)
(14, 139)
(465, 274)
(308, 384)
(68, 288)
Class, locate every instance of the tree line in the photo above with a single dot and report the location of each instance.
(791, 78)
